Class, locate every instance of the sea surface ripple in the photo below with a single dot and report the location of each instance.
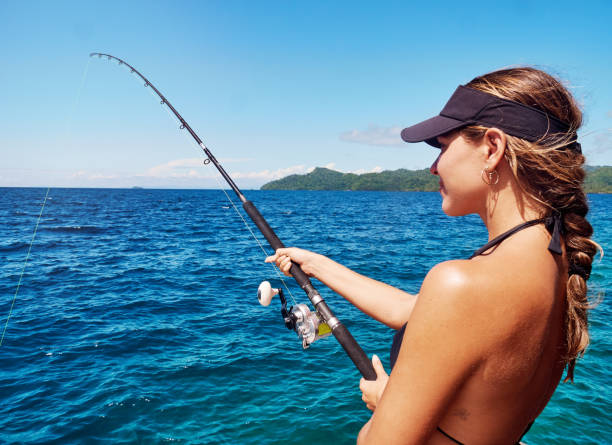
(137, 319)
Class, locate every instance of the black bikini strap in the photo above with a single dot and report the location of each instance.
(449, 436)
(553, 223)
(556, 221)
(461, 443)
(498, 239)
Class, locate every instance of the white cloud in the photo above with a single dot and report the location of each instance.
(602, 143)
(189, 168)
(96, 176)
(361, 171)
(178, 173)
(374, 135)
(175, 169)
(186, 172)
(234, 160)
(270, 175)
(89, 175)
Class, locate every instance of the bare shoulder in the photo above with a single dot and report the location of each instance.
(494, 299)
(450, 302)
(448, 283)
(476, 299)
(517, 282)
(452, 275)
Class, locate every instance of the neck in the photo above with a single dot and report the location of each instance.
(507, 206)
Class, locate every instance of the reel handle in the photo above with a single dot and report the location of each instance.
(265, 293)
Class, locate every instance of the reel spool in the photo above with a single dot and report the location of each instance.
(308, 325)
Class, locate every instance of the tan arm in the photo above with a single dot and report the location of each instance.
(385, 303)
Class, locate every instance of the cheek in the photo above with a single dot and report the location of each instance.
(458, 168)
(462, 186)
(450, 168)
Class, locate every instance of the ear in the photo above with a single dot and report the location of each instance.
(495, 146)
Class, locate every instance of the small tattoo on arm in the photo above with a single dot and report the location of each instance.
(462, 413)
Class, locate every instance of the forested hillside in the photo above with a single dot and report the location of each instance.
(599, 180)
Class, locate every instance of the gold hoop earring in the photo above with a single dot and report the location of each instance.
(489, 177)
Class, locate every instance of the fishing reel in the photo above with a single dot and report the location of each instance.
(308, 325)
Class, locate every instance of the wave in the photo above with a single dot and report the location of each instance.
(14, 247)
(77, 229)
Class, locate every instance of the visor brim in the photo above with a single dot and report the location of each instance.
(428, 130)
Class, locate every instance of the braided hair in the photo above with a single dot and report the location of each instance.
(550, 171)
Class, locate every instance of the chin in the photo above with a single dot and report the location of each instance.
(454, 210)
(451, 213)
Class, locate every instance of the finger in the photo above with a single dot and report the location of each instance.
(271, 258)
(282, 251)
(362, 384)
(378, 366)
(370, 407)
(366, 386)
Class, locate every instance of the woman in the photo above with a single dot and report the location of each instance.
(482, 347)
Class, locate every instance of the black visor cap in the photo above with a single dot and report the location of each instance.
(468, 106)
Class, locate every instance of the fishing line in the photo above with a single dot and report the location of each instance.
(77, 99)
(68, 131)
(276, 269)
(220, 184)
(299, 318)
(24, 266)
(216, 177)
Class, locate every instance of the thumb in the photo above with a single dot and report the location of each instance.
(378, 366)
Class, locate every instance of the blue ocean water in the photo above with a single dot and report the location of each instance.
(137, 319)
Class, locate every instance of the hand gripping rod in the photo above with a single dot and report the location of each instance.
(342, 334)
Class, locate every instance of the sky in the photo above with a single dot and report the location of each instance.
(272, 87)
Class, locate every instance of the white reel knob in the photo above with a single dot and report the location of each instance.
(265, 292)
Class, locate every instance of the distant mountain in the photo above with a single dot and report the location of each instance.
(599, 180)
(326, 179)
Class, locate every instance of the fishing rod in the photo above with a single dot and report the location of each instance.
(310, 326)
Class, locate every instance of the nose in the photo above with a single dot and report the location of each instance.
(434, 167)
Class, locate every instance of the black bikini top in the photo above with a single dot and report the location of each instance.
(553, 224)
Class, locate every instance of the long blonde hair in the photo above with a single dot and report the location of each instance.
(551, 173)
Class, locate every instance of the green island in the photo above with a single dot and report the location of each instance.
(598, 180)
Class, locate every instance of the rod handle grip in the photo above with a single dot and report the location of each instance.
(342, 334)
(354, 351)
